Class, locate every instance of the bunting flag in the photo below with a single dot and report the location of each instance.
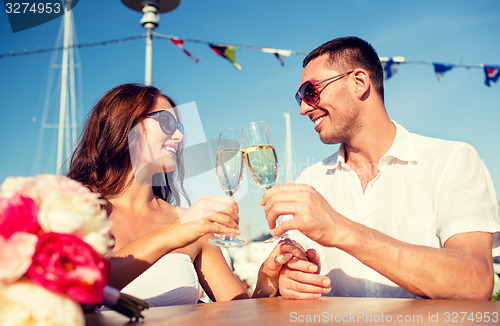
(280, 58)
(440, 69)
(492, 73)
(226, 52)
(180, 44)
(278, 53)
(390, 68)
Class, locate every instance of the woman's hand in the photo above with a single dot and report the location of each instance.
(218, 214)
(288, 254)
(210, 214)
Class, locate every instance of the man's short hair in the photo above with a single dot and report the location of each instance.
(350, 52)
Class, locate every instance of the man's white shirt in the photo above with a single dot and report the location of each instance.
(426, 191)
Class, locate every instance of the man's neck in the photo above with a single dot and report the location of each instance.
(364, 153)
(370, 144)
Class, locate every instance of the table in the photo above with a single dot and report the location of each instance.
(323, 311)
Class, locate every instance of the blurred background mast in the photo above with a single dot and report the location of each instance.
(151, 10)
(288, 148)
(66, 138)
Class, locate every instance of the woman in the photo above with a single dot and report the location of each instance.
(130, 149)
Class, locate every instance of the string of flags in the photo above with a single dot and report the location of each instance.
(391, 66)
(227, 51)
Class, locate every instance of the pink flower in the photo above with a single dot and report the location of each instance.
(63, 263)
(18, 214)
(15, 255)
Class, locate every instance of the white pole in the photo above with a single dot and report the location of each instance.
(149, 21)
(288, 148)
(63, 105)
(148, 76)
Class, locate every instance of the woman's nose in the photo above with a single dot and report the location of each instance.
(178, 136)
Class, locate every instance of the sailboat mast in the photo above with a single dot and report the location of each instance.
(288, 148)
(63, 104)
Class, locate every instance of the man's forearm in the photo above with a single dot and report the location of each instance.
(461, 270)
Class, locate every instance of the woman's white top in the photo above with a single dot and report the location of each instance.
(172, 280)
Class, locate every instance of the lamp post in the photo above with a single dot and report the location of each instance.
(150, 19)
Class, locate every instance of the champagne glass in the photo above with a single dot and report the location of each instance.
(230, 169)
(261, 157)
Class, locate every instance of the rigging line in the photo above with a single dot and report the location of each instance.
(244, 46)
(61, 48)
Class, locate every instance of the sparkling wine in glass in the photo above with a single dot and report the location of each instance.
(230, 170)
(261, 157)
(263, 165)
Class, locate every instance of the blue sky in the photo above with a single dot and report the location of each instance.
(460, 107)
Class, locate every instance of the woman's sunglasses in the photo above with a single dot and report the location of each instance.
(167, 122)
(308, 91)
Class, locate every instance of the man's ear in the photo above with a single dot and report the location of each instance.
(361, 83)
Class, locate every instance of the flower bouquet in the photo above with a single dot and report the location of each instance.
(53, 240)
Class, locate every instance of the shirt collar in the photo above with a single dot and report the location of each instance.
(402, 148)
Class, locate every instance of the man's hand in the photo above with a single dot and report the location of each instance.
(312, 214)
(299, 280)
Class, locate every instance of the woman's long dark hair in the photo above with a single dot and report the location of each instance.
(101, 160)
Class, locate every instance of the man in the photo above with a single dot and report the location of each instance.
(392, 213)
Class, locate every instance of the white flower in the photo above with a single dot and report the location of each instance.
(49, 183)
(16, 255)
(24, 186)
(79, 213)
(100, 242)
(27, 304)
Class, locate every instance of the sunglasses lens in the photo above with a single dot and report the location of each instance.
(309, 92)
(167, 122)
(297, 97)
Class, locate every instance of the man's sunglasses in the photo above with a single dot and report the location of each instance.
(308, 91)
(167, 121)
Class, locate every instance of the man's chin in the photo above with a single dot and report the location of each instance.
(329, 140)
